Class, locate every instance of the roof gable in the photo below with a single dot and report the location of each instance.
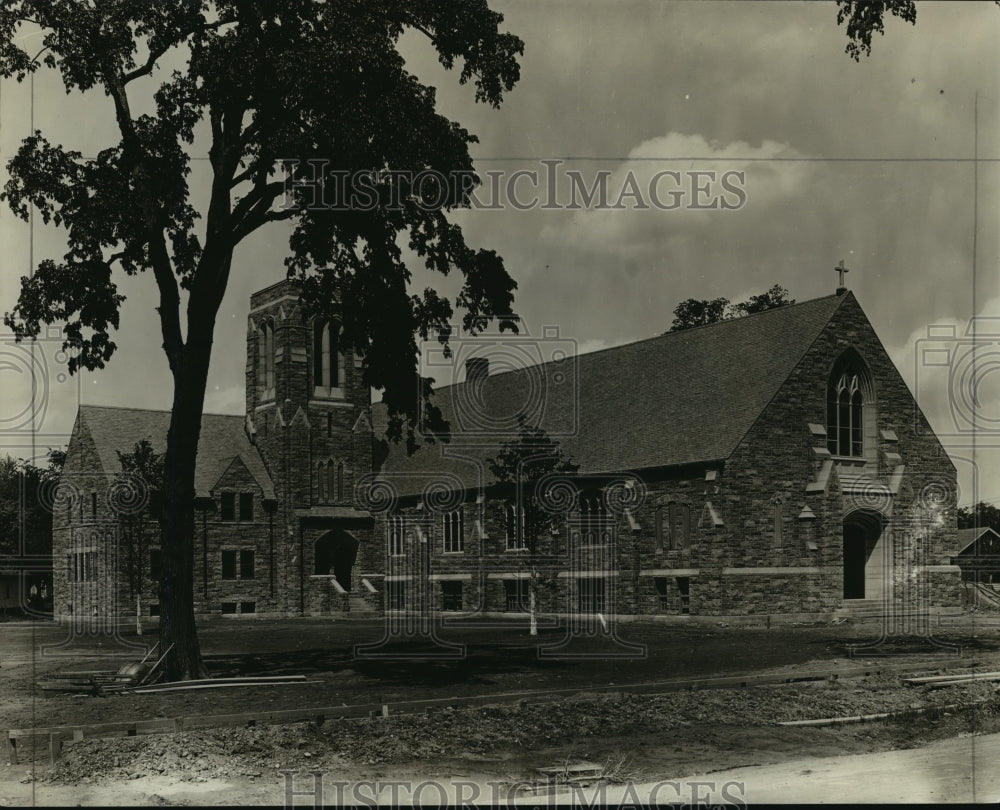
(222, 438)
(969, 538)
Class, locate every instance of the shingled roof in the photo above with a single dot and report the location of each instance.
(679, 398)
(967, 538)
(222, 439)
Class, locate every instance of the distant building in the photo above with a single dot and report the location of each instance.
(778, 465)
(978, 554)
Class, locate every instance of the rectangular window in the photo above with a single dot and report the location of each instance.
(228, 511)
(454, 535)
(658, 527)
(246, 506)
(228, 608)
(154, 610)
(248, 607)
(590, 591)
(515, 593)
(229, 564)
(396, 593)
(684, 589)
(93, 504)
(451, 596)
(662, 592)
(246, 563)
(514, 527)
(155, 563)
(395, 535)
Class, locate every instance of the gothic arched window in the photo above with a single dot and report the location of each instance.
(328, 359)
(593, 519)
(848, 397)
(265, 359)
(321, 480)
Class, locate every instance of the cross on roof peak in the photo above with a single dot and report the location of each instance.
(841, 289)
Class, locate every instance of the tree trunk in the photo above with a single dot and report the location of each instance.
(177, 525)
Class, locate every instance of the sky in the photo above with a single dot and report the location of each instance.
(874, 163)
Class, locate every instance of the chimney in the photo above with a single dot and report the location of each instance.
(477, 369)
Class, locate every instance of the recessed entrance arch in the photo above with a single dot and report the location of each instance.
(862, 568)
(335, 553)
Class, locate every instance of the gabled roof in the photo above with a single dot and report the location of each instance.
(222, 439)
(968, 537)
(679, 398)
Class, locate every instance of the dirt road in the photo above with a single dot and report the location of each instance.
(954, 770)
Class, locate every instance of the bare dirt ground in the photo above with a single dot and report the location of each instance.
(641, 738)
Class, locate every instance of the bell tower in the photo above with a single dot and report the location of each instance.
(308, 409)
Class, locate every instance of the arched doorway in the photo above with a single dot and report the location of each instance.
(335, 553)
(862, 572)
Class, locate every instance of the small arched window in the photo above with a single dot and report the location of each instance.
(848, 397)
(321, 480)
(328, 359)
(265, 359)
(340, 482)
(331, 481)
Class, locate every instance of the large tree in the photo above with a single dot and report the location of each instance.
(275, 93)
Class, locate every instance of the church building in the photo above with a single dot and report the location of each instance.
(771, 465)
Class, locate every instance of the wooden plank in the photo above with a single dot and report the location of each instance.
(966, 676)
(186, 687)
(250, 679)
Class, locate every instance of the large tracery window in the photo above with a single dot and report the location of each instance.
(845, 409)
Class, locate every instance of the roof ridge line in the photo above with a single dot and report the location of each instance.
(151, 410)
(667, 334)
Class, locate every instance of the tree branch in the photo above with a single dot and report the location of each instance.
(135, 164)
(150, 63)
(251, 212)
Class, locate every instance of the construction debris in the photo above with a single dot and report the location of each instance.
(105, 682)
(215, 683)
(938, 681)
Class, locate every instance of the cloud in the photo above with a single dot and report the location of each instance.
(952, 366)
(672, 188)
